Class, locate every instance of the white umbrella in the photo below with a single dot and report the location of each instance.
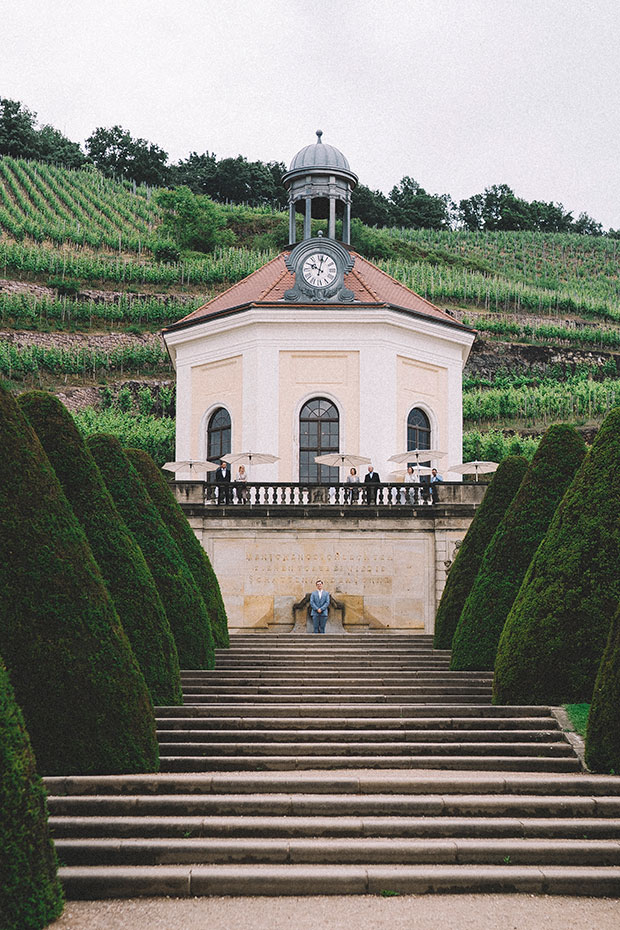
(474, 468)
(252, 458)
(341, 459)
(416, 454)
(190, 464)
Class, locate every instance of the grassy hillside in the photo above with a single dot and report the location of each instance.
(76, 258)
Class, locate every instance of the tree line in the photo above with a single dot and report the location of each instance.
(116, 153)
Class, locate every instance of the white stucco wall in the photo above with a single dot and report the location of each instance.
(264, 363)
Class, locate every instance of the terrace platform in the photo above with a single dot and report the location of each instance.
(385, 559)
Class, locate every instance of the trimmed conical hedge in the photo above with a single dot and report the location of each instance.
(30, 893)
(603, 731)
(182, 602)
(119, 557)
(185, 538)
(83, 696)
(551, 646)
(516, 539)
(501, 490)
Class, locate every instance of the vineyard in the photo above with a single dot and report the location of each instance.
(77, 250)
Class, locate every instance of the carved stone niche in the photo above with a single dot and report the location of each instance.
(303, 620)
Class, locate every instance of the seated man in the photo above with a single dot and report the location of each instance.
(319, 607)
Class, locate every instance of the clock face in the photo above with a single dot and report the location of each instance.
(319, 270)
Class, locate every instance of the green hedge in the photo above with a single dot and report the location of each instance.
(119, 557)
(556, 631)
(83, 696)
(185, 538)
(30, 893)
(501, 490)
(603, 731)
(516, 539)
(182, 602)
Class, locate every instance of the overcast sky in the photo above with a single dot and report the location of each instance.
(459, 94)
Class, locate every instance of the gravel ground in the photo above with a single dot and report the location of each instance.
(409, 912)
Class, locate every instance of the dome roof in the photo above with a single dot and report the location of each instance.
(319, 155)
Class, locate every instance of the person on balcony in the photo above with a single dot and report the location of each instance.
(371, 478)
(435, 480)
(319, 607)
(352, 493)
(241, 480)
(222, 480)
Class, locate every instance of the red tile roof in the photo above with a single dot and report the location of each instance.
(266, 287)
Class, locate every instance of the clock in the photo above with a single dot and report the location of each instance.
(319, 267)
(319, 270)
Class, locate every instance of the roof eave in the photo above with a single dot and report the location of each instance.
(240, 308)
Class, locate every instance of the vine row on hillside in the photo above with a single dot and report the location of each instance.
(224, 265)
(577, 398)
(27, 311)
(20, 362)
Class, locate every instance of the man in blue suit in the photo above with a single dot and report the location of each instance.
(319, 607)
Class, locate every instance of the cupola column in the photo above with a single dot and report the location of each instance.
(292, 225)
(308, 219)
(331, 229)
(346, 224)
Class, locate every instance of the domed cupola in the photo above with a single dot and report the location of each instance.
(319, 183)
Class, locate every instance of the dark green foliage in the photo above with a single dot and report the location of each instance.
(119, 557)
(182, 602)
(555, 634)
(516, 539)
(603, 732)
(30, 893)
(84, 699)
(185, 538)
(502, 489)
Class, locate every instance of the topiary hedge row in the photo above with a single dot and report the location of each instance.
(30, 893)
(185, 538)
(603, 731)
(551, 646)
(508, 555)
(119, 557)
(501, 490)
(84, 699)
(182, 602)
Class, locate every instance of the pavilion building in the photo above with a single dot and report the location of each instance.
(321, 351)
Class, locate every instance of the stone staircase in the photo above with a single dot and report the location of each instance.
(342, 765)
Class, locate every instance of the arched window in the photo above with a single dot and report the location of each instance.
(319, 433)
(218, 435)
(418, 430)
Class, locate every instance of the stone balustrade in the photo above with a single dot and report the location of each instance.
(392, 496)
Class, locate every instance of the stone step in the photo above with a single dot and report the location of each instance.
(241, 879)
(501, 762)
(429, 827)
(366, 850)
(366, 784)
(449, 697)
(254, 700)
(361, 748)
(336, 805)
(357, 686)
(370, 725)
(319, 677)
(363, 737)
(351, 710)
(319, 664)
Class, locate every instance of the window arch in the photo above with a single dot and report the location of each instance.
(319, 433)
(219, 430)
(418, 430)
